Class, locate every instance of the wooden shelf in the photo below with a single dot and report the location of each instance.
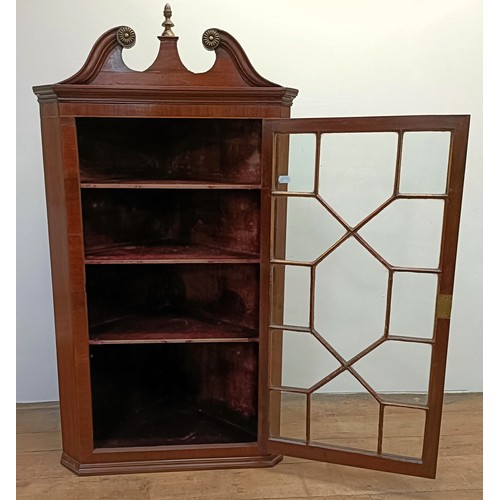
(168, 254)
(161, 328)
(161, 184)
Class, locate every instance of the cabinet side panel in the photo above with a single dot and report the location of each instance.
(66, 255)
(59, 262)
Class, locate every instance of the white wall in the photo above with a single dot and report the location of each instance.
(347, 58)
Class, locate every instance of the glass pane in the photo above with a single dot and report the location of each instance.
(403, 431)
(310, 229)
(288, 411)
(357, 172)
(304, 359)
(291, 290)
(301, 151)
(344, 414)
(350, 299)
(413, 305)
(407, 233)
(398, 371)
(424, 165)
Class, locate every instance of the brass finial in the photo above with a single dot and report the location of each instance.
(167, 24)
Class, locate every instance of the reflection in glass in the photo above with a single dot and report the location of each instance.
(413, 305)
(407, 233)
(403, 431)
(292, 284)
(344, 414)
(299, 176)
(310, 230)
(350, 299)
(398, 371)
(305, 360)
(424, 164)
(288, 415)
(357, 172)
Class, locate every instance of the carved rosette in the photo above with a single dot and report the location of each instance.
(125, 37)
(211, 39)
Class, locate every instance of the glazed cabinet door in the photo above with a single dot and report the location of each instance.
(363, 241)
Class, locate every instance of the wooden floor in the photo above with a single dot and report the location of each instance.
(40, 476)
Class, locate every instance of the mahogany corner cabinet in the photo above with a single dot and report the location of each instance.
(196, 234)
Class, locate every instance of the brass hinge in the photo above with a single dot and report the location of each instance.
(443, 306)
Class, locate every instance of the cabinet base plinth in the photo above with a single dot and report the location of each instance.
(101, 468)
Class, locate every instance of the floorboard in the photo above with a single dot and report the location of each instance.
(40, 476)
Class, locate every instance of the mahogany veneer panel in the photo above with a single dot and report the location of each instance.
(176, 394)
